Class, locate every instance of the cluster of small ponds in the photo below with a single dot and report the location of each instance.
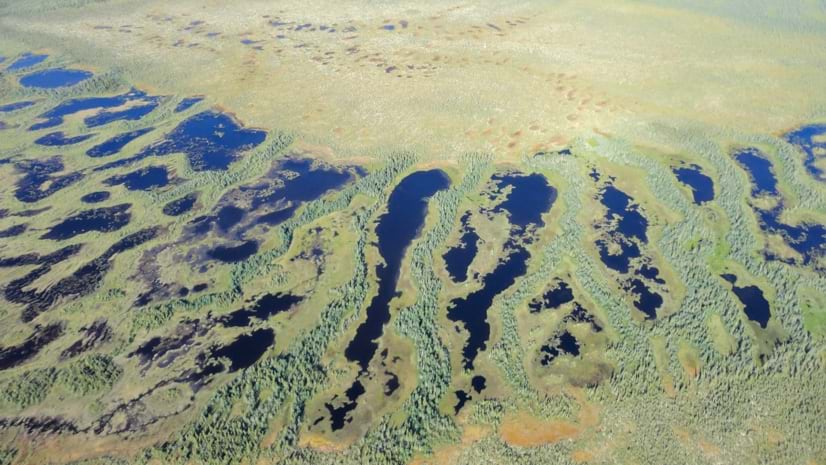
(807, 239)
(212, 140)
(624, 234)
(50, 78)
(406, 211)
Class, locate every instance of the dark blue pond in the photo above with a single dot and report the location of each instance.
(301, 180)
(804, 140)
(555, 297)
(210, 140)
(96, 197)
(702, 187)
(81, 282)
(396, 229)
(338, 415)
(458, 258)
(180, 206)
(54, 117)
(57, 139)
(40, 173)
(244, 351)
(626, 229)
(41, 336)
(130, 114)
(528, 198)
(106, 219)
(16, 106)
(647, 301)
(13, 231)
(565, 343)
(478, 382)
(27, 60)
(760, 171)
(462, 398)
(229, 216)
(650, 272)
(392, 384)
(234, 254)
(116, 143)
(621, 207)
(808, 239)
(54, 78)
(581, 315)
(142, 179)
(187, 103)
(755, 304)
(264, 307)
(273, 199)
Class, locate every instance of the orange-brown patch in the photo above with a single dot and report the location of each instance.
(581, 456)
(526, 431)
(318, 442)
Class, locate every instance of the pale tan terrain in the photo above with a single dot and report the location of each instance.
(458, 77)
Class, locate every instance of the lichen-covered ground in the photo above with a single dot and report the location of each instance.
(412, 232)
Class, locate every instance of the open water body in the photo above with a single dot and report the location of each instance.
(755, 305)
(528, 198)
(406, 212)
(702, 187)
(55, 78)
(458, 258)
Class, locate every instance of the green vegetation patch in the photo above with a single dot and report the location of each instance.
(94, 373)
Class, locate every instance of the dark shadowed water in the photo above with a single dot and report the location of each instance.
(338, 415)
(459, 257)
(244, 351)
(96, 197)
(755, 305)
(565, 343)
(647, 301)
(264, 307)
(234, 253)
(56, 139)
(40, 173)
(396, 229)
(105, 219)
(553, 298)
(808, 239)
(142, 179)
(40, 337)
(80, 283)
(528, 198)
(13, 231)
(180, 206)
(462, 398)
(626, 228)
